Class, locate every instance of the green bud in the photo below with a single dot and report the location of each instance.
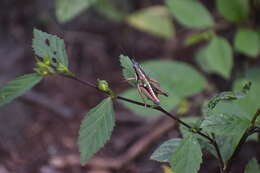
(103, 85)
(46, 61)
(62, 69)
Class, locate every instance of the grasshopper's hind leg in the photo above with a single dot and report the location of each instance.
(140, 93)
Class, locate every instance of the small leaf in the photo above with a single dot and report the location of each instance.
(198, 37)
(233, 10)
(96, 129)
(67, 9)
(252, 167)
(250, 103)
(178, 79)
(51, 46)
(190, 13)
(187, 156)
(218, 57)
(128, 70)
(247, 41)
(154, 20)
(17, 87)
(163, 152)
(228, 96)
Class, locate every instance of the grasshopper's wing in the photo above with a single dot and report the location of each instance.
(156, 87)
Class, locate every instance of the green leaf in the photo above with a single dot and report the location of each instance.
(180, 80)
(177, 78)
(163, 152)
(201, 59)
(17, 87)
(227, 127)
(96, 129)
(234, 10)
(228, 96)
(225, 124)
(108, 9)
(190, 13)
(198, 37)
(217, 56)
(250, 103)
(194, 122)
(247, 41)
(47, 45)
(252, 167)
(128, 70)
(155, 20)
(187, 156)
(67, 9)
(225, 144)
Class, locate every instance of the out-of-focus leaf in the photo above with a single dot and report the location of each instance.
(247, 41)
(201, 59)
(187, 157)
(190, 13)
(198, 37)
(154, 20)
(233, 10)
(17, 87)
(217, 56)
(109, 10)
(163, 152)
(179, 80)
(47, 45)
(68, 9)
(96, 129)
(252, 167)
(183, 107)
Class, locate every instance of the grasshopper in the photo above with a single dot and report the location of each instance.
(146, 85)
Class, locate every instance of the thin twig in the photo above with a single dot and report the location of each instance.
(82, 82)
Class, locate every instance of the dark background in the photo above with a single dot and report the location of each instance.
(38, 131)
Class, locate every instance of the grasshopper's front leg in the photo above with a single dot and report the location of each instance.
(131, 78)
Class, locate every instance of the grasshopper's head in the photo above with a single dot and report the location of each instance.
(136, 65)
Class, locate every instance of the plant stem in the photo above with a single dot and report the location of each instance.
(82, 82)
(159, 108)
(250, 130)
